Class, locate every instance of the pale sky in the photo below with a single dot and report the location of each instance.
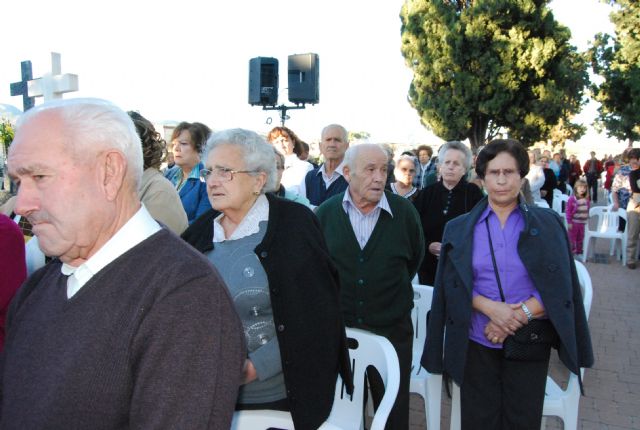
(188, 60)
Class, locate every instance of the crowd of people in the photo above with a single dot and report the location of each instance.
(226, 282)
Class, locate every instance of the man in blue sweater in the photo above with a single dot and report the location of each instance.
(375, 239)
(328, 179)
(108, 335)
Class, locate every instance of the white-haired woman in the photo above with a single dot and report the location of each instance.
(273, 258)
(404, 173)
(446, 199)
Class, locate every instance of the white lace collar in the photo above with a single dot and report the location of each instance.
(249, 224)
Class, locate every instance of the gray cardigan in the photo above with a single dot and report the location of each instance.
(544, 250)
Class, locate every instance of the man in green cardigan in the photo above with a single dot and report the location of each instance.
(375, 239)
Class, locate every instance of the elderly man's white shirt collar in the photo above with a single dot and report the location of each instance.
(249, 224)
(338, 171)
(139, 227)
(382, 204)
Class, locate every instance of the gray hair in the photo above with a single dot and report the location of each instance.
(95, 125)
(352, 153)
(406, 157)
(279, 156)
(458, 146)
(345, 134)
(257, 154)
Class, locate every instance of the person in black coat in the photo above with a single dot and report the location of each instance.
(443, 201)
(273, 258)
(550, 182)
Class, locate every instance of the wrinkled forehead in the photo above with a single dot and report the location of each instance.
(42, 130)
(41, 140)
(333, 132)
(371, 156)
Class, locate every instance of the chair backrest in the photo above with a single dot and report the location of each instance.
(560, 202)
(569, 189)
(585, 286)
(422, 297)
(366, 349)
(607, 220)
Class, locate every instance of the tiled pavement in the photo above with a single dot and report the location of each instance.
(612, 400)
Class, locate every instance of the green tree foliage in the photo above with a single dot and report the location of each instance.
(617, 61)
(359, 135)
(6, 134)
(483, 65)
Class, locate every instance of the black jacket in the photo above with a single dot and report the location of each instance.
(304, 285)
(544, 250)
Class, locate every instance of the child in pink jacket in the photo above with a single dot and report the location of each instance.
(577, 213)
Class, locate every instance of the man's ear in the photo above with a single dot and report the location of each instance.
(346, 172)
(114, 166)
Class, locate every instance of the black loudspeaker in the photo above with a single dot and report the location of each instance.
(263, 81)
(304, 73)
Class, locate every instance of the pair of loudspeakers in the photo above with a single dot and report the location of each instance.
(303, 79)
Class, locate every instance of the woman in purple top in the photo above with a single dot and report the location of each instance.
(512, 271)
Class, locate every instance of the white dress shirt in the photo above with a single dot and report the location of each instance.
(139, 227)
(328, 180)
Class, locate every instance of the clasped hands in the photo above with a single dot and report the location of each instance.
(505, 320)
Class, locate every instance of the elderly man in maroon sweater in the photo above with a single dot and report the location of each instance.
(128, 327)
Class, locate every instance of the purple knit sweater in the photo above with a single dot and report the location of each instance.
(152, 341)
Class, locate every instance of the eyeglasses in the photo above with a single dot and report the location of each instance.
(222, 174)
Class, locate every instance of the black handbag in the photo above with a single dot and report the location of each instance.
(531, 342)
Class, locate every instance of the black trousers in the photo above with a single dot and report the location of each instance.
(501, 394)
(401, 337)
(592, 187)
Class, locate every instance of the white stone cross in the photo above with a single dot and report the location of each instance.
(52, 85)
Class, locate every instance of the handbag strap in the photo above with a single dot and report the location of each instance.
(493, 259)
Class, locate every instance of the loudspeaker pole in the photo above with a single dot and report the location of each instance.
(283, 111)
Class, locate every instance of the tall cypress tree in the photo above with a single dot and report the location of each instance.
(483, 65)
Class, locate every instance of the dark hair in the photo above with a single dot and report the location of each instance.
(196, 131)
(495, 147)
(289, 134)
(153, 145)
(205, 130)
(633, 153)
(424, 148)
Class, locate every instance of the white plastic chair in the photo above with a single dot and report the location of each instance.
(557, 402)
(541, 203)
(565, 403)
(365, 349)
(427, 385)
(560, 204)
(607, 228)
(569, 190)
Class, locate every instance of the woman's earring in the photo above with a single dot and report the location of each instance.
(256, 193)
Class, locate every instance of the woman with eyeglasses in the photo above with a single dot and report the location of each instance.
(273, 258)
(404, 173)
(187, 141)
(441, 202)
